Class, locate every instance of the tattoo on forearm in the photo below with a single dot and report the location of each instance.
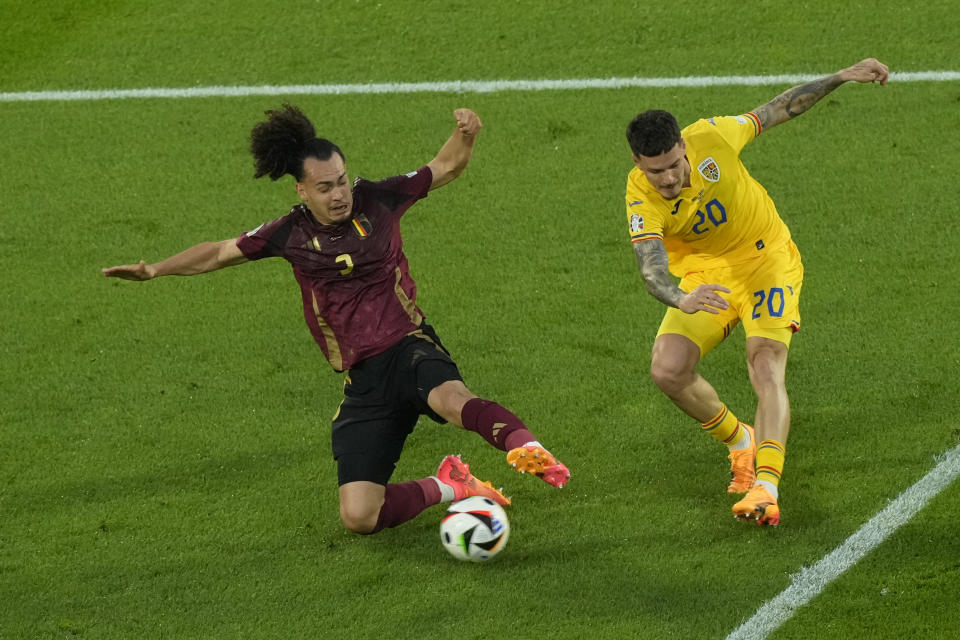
(793, 102)
(652, 258)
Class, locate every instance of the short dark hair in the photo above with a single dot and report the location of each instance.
(281, 143)
(652, 133)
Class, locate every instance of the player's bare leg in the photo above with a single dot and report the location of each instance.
(360, 504)
(673, 367)
(767, 364)
(448, 399)
(456, 404)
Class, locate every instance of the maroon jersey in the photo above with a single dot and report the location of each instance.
(358, 296)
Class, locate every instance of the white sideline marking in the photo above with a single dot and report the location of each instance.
(455, 86)
(811, 581)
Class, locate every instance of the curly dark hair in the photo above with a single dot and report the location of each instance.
(281, 143)
(653, 132)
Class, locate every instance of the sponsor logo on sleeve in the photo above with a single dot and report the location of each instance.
(636, 223)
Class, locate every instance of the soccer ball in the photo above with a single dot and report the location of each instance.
(474, 529)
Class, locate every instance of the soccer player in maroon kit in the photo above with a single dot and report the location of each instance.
(359, 302)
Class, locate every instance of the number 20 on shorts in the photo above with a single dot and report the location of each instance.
(774, 299)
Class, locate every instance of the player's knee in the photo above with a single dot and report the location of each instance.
(669, 377)
(767, 368)
(673, 363)
(448, 399)
(359, 518)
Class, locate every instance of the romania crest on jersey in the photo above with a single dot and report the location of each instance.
(709, 169)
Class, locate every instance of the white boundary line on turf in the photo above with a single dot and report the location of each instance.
(811, 581)
(457, 86)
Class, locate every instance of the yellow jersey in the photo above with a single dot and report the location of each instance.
(724, 217)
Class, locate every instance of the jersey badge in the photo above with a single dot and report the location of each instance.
(362, 225)
(636, 223)
(709, 169)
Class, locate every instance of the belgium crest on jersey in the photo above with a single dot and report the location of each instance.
(362, 225)
(709, 169)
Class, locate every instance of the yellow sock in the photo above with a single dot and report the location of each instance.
(770, 456)
(725, 428)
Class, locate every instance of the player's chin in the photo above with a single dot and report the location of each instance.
(670, 194)
(341, 214)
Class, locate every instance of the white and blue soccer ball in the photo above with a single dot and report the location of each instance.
(474, 529)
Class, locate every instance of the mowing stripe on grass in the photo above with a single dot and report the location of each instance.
(455, 86)
(811, 581)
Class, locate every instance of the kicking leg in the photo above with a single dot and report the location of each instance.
(456, 404)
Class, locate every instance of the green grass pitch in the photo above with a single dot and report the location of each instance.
(165, 467)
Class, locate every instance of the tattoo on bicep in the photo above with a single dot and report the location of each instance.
(654, 265)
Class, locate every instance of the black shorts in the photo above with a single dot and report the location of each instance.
(384, 396)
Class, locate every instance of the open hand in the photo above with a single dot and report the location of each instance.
(706, 297)
(141, 271)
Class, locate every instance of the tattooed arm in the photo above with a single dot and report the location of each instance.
(652, 259)
(792, 102)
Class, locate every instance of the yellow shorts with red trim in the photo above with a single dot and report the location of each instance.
(764, 296)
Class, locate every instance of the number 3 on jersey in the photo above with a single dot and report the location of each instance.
(715, 214)
(348, 261)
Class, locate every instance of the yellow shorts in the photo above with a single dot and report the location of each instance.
(764, 296)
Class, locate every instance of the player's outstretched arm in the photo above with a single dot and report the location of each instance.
(201, 258)
(652, 259)
(793, 102)
(456, 152)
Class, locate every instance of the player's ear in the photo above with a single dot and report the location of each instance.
(636, 160)
(301, 191)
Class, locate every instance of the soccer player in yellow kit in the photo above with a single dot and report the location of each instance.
(695, 212)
